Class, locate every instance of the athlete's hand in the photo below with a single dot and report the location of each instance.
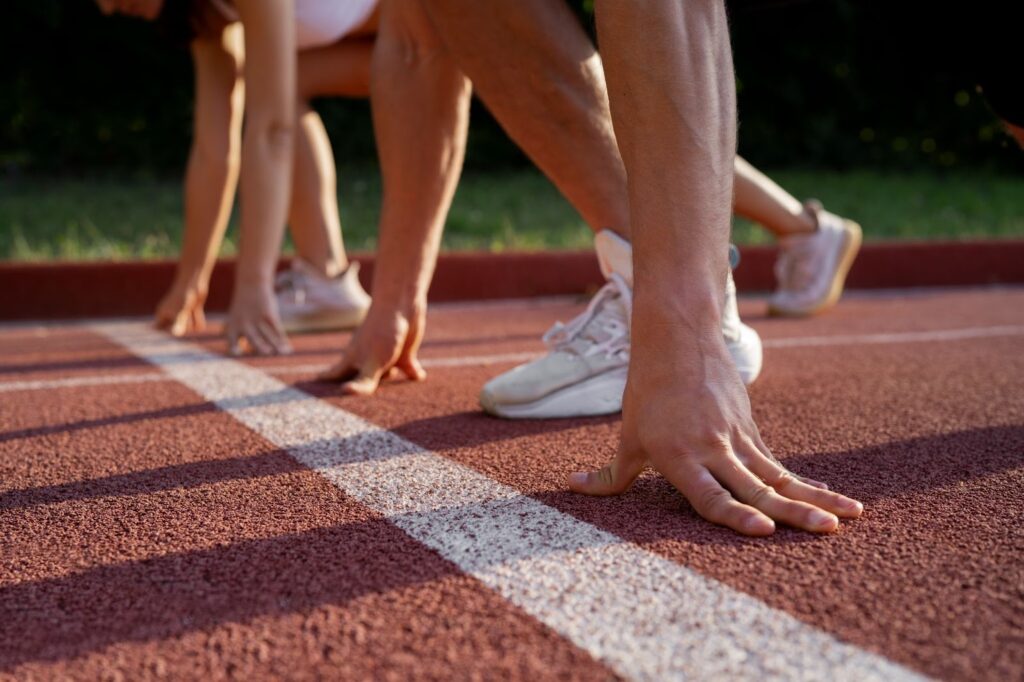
(180, 311)
(689, 418)
(253, 322)
(385, 344)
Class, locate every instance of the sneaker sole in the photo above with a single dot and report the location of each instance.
(851, 246)
(598, 395)
(324, 321)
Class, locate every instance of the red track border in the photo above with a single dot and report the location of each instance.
(73, 290)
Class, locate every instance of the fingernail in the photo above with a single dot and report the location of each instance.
(759, 525)
(823, 520)
(578, 478)
(853, 505)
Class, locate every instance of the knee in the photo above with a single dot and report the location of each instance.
(407, 33)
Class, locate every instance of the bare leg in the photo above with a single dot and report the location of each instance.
(266, 175)
(686, 412)
(541, 77)
(210, 179)
(338, 70)
(342, 69)
(313, 217)
(532, 56)
(758, 198)
(421, 116)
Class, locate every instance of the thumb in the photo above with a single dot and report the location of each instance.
(180, 327)
(364, 384)
(198, 319)
(612, 479)
(411, 367)
(164, 317)
(362, 380)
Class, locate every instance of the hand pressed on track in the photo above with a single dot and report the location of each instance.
(689, 418)
(384, 345)
(180, 311)
(253, 322)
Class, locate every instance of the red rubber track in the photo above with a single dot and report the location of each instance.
(143, 533)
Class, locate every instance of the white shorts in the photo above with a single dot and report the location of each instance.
(323, 22)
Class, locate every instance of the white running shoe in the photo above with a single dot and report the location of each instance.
(811, 269)
(743, 341)
(584, 374)
(307, 301)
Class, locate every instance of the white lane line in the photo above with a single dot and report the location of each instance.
(463, 361)
(88, 380)
(504, 358)
(471, 360)
(645, 616)
(896, 337)
(142, 377)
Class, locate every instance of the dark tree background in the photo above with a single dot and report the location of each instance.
(822, 84)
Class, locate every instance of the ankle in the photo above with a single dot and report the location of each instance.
(805, 222)
(337, 267)
(329, 268)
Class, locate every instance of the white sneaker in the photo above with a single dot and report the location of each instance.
(584, 374)
(743, 341)
(307, 301)
(811, 269)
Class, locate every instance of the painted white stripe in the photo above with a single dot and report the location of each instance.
(643, 615)
(88, 380)
(471, 360)
(463, 361)
(896, 337)
(504, 358)
(137, 378)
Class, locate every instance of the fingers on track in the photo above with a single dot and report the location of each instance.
(715, 503)
(796, 488)
(753, 491)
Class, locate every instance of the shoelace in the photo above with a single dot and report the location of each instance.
(292, 282)
(601, 311)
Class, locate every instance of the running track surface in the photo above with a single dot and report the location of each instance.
(168, 512)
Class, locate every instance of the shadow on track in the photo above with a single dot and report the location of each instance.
(284, 395)
(468, 429)
(174, 477)
(61, 366)
(172, 594)
(916, 465)
(175, 412)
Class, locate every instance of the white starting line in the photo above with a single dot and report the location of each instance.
(505, 358)
(87, 380)
(287, 369)
(644, 616)
(897, 337)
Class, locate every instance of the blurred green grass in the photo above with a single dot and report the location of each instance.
(117, 218)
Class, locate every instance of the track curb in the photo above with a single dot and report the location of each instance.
(105, 289)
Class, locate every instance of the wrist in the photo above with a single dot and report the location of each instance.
(191, 278)
(404, 296)
(682, 332)
(403, 306)
(693, 308)
(253, 276)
